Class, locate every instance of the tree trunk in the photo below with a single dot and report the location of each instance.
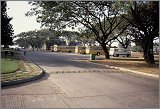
(150, 55)
(32, 47)
(145, 52)
(106, 52)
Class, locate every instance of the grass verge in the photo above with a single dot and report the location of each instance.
(16, 68)
(9, 65)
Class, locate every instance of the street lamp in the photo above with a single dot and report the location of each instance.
(45, 46)
(25, 40)
(36, 39)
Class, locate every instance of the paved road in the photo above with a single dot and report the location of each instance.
(51, 61)
(73, 84)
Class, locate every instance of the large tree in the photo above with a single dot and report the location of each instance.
(100, 17)
(6, 27)
(28, 38)
(144, 18)
(36, 39)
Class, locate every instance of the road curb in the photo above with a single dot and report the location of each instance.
(123, 69)
(24, 80)
(21, 81)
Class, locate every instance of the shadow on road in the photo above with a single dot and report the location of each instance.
(58, 60)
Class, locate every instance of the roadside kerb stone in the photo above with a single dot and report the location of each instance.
(24, 80)
(20, 81)
(123, 69)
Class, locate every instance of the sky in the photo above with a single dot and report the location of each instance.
(21, 23)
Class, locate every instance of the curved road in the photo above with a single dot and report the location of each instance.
(70, 83)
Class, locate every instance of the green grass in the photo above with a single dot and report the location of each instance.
(8, 65)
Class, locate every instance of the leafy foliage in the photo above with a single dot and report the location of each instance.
(144, 18)
(98, 16)
(6, 31)
(105, 21)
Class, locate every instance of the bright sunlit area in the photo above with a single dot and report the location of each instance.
(20, 22)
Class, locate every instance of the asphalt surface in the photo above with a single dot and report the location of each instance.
(70, 83)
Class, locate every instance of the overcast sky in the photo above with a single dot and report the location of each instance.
(20, 22)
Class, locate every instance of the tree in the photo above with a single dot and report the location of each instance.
(28, 39)
(125, 38)
(36, 39)
(6, 31)
(69, 36)
(86, 37)
(98, 16)
(54, 41)
(21, 42)
(124, 41)
(144, 18)
(137, 48)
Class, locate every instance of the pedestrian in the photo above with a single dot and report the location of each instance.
(24, 52)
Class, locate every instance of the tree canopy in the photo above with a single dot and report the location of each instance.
(100, 17)
(144, 18)
(104, 20)
(37, 38)
(6, 31)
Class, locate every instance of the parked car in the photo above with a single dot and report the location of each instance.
(119, 52)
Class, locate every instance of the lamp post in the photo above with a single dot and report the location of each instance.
(36, 39)
(25, 38)
(25, 45)
(46, 44)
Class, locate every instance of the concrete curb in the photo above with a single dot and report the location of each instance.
(123, 69)
(25, 80)
(21, 81)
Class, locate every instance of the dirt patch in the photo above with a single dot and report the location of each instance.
(136, 65)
